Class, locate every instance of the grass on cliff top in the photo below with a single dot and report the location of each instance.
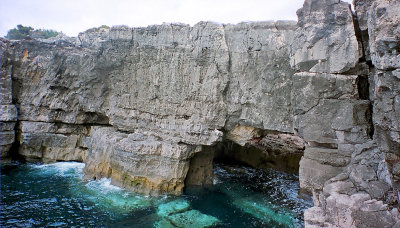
(24, 32)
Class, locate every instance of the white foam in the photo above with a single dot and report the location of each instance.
(104, 184)
(62, 168)
(216, 181)
(110, 197)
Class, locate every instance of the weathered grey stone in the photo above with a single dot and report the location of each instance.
(260, 75)
(177, 79)
(93, 37)
(146, 106)
(8, 113)
(362, 8)
(7, 137)
(384, 34)
(341, 187)
(6, 140)
(262, 148)
(357, 210)
(327, 156)
(178, 84)
(387, 110)
(331, 120)
(62, 39)
(51, 142)
(346, 116)
(280, 143)
(341, 205)
(5, 81)
(375, 214)
(138, 161)
(310, 88)
(365, 166)
(7, 126)
(325, 41)
(313, 174)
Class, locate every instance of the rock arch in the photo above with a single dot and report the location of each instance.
(137, 107)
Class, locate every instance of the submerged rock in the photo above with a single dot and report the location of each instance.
(264, 211)
(173, 207)
(177, 213)
(193, 218)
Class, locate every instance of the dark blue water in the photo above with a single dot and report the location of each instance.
(56, 196)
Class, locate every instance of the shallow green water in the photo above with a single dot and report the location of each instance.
(55, 196)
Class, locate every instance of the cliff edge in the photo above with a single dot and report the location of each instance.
(152, 107)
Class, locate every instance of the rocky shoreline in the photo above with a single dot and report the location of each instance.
(152, 107)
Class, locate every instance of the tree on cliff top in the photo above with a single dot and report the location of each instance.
(23, 32)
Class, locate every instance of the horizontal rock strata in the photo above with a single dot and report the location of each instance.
(151, 107)
(137, 104)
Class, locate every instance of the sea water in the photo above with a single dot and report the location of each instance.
(55, 195)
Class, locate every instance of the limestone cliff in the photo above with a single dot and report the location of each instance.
(137, 104)
(151, 107)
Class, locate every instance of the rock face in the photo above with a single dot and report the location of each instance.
(150, 107)
(325, 35)
(137, 104)
(138, 161)
(352, 134)
(8, 111)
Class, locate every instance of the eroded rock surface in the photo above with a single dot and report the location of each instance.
(138, 161)
(8, 111)
(354, 153)
(137, 104)
(325, 39)
(149, 107)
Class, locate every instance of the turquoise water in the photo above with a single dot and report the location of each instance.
(54, 195)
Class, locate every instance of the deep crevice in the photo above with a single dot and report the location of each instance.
(372, 126)
(14, 150)
(366, 67)
(359, 37)
(363, 87)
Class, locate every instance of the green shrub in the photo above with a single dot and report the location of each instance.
(23, 32)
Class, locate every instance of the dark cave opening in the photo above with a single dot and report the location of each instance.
(270, 151)
(258, 156)
(254, 183)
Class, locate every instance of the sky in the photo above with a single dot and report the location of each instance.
(74, 16)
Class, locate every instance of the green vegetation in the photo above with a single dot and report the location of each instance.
(24, 32)
(97, 29)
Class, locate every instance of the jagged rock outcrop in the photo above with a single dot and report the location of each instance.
(328, 109)
(325, 35)
(358, 186)
(331, 119)
(151, 107)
